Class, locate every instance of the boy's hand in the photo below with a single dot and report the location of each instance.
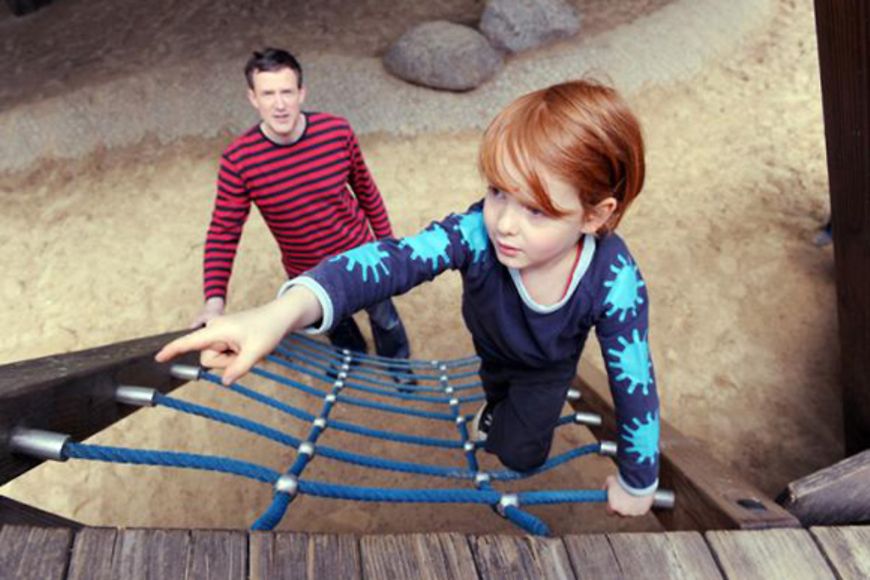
(236, 342)
(622, 503)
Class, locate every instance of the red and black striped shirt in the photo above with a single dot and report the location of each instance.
(301, 190)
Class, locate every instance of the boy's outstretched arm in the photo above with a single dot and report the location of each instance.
(236, 342)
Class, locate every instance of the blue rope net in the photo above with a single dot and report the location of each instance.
(449, 383)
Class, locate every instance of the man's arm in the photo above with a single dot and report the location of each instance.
(369, 197)
(231, 208)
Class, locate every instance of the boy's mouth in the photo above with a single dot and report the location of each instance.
(507, 250)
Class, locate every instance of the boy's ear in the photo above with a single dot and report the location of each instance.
(599, 215)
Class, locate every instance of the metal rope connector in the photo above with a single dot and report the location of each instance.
(573, 395)
(38, 443)
(590, 419)
(468, 446)
(608, 448)
(453, 402)
(460, 419)
(287, 484)
(506, 501)
(136, 396)
(306, 448)
(330, 398)
(448, 390)
(320, 422)
(185, 372)
(339, 385)
(481, 477)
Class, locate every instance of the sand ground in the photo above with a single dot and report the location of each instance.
(108, 247)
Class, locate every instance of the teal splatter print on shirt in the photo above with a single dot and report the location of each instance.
(643, 438)
(624, 295)
(369, 257)
(430, 245)
(633, 363)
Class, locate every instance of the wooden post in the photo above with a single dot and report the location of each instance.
(709, 495)
(74, 393)
(843, 30)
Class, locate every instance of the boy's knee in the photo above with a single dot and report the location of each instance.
(524, 458)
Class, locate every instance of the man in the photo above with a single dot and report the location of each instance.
(298, 169)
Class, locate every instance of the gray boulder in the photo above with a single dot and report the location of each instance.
(517, 25)
(443, 55)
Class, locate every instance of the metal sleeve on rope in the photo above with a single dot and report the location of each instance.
(590, 419)
(38, 443)
(608, 448)
(135, 396)
(185, 372)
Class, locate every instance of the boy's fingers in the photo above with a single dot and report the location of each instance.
(194, 341)
(241, 365)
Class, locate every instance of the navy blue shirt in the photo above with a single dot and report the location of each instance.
(508, 327)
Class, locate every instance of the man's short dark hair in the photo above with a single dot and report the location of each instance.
(272, 59)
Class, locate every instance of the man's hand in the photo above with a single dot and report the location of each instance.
(212, 308)
(622, 503)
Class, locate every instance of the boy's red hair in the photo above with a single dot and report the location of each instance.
(581, 132)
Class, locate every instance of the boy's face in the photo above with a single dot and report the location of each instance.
(278, 99)
(529, 240)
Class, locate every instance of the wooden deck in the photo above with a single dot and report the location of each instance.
(104, 553)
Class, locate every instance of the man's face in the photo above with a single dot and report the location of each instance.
(278, 99)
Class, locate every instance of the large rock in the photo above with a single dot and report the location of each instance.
(443, 55)
(517, 25)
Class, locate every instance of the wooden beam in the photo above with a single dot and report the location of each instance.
(74, 393)
(16, 513)
(839, 494)
(709, 495)
(843, 30)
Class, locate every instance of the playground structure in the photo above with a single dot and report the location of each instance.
(710, 497)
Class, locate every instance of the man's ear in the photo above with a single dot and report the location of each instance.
(252, 98)
(599, 215)
(302, 93)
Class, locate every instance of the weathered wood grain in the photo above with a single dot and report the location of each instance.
(709, 495)
(839, 494)
(675, 555)
(147, 554)
(218, 555)
(93, 554)
(592, 557)
(280, 556)
(31, 553)
(847, 549)
(843, 32)
(423, 556)
(520, 557)
(786, 554)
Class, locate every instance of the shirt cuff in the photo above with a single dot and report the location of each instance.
(648, 490)
(322, 297)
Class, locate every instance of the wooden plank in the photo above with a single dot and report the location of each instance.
(148, 554)
(17, 513)
(843, 31)
(93, 554)
(285, 556)
(709, 495)
(592, 557)
(839, 494)
(74, 393)
(847, 549)
(788, 554)
(423, 556)
(520, 557)
(34, 553)
(674, 555)
(217, 555)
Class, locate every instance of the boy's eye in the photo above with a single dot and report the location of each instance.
(494, 192)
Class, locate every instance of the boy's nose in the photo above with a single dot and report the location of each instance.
(507, 221)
